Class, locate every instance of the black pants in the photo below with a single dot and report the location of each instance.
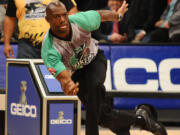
(92, 93)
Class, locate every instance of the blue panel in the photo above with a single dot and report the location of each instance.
(3, 64)
(24, 104)
(61, 119)
(52, 84)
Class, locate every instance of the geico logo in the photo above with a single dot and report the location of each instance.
(49, 77)
(64, 121)
(24, 110)
(164, 70)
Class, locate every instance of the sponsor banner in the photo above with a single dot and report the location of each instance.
(146, 68)
(61, 118)
(52, 84)
(23, 103)
(138, 68)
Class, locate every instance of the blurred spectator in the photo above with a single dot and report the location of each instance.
(144, 15)
(160, 34)
(84, 5)
(110, 31)
(32, 26)
(174, 22)
(138, 21)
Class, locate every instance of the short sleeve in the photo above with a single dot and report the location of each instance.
(11, 9)
(55, 62)
(51, 57)
(89, 20)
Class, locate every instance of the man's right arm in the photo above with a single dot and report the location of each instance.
(9, 25)
(53, 61)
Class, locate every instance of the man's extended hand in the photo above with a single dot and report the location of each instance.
(71, 88)
(67, 84)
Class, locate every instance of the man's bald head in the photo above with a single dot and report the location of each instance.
(57, 17)
(53, 6)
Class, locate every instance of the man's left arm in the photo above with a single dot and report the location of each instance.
(91, 20)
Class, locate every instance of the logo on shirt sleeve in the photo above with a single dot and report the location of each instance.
(52, 71)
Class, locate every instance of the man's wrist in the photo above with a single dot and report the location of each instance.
(120, 17)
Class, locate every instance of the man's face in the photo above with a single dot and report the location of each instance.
(58, 19)
(115, 4)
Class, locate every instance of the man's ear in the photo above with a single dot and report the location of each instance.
(46, 18)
